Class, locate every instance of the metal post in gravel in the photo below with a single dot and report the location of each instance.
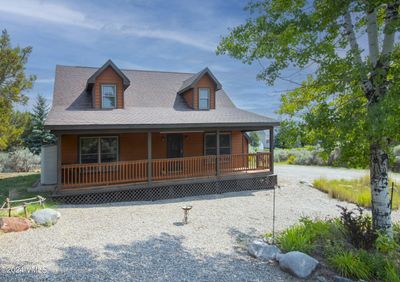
(8, 206)
(273, 216)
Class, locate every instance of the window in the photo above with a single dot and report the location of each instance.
(210, 143)
(108, 96)
(98, 149)
(204, 98)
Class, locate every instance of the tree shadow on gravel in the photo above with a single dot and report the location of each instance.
(160, 258)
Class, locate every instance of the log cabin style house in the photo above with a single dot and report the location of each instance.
(123, 133)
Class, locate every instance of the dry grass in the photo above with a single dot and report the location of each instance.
(355, 191)
(5, 175)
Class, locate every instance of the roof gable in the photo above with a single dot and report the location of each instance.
(125, 80)
(192, 81)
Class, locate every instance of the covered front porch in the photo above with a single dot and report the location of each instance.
(100, 160)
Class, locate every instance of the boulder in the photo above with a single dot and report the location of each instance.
(296, 263)
(14, 224)
(46, 216)
(262, 250)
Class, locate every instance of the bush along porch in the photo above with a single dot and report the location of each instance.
(131, 130)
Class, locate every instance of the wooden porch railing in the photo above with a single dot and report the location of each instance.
(183, 167)
(244, 162)
(104, 174)
(78, 175)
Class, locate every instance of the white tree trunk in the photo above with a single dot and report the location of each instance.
(389, 33)
(381, 210)
(348, 25)
(372, 30)
(380, 200)
(349, 28)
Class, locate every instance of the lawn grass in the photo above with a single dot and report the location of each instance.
(355, 191)
(18, 183)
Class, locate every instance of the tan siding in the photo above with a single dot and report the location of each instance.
(245, 145)
(132, 146)
(159, 146)
(69, 149)
(188, 96)
(237, 142)
(108, 76)
(193, 144)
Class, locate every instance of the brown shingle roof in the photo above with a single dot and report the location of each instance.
(151, 101)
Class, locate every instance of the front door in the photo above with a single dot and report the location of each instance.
(174, 145)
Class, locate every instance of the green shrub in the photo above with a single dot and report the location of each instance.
(349, 265)
(330, 240)
(392, 274)
(361, 264)
(291, 159)
(396, 232)
(385, 244)
(304, 236)
(295, 238)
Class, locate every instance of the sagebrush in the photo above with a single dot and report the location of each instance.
(302, 156)
(21, 160)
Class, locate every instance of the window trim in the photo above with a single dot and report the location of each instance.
(208, 99)
(221, 133)
(113, 85)
(98, 147)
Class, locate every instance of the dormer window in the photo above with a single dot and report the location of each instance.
(204, 98)
(200, 89)
(108, 96)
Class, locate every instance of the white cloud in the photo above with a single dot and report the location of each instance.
(45, 11)
(63, 15)
(165, 34)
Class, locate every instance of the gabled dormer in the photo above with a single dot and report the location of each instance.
(107, 86)
(199, 90)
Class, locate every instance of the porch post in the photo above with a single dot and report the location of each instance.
(149, 157)
(271, 149)
(59, 182)
(218, 159)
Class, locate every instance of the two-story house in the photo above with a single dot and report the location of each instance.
(133, 134)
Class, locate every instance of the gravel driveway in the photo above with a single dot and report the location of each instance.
(146, 240)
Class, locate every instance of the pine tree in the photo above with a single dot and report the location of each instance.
(39, 135)
(13, 84)
(254, 139)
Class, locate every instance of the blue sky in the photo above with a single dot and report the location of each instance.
(151, 35)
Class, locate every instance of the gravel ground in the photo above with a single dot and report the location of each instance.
(146, 240)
